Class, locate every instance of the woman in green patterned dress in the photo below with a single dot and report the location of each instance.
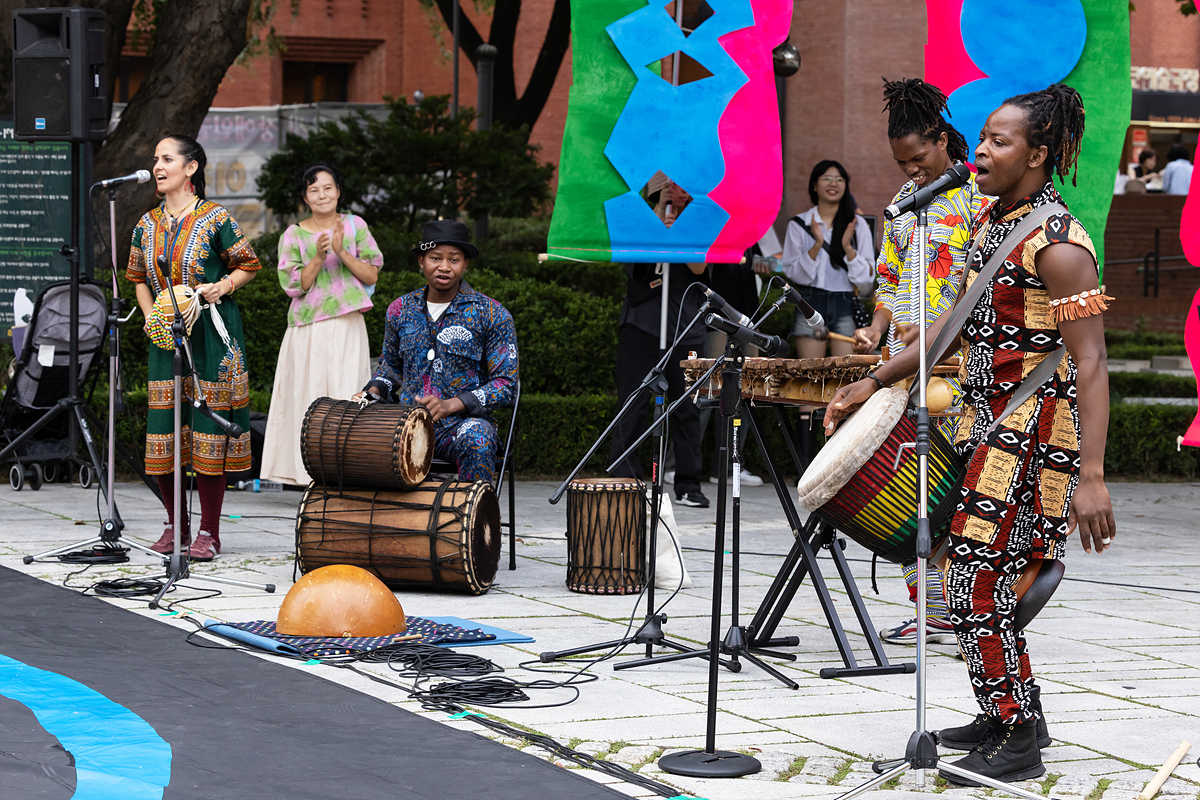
(203, 248)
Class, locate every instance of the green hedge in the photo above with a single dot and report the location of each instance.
(555, 432)
(1149, 384)
(1142, 344)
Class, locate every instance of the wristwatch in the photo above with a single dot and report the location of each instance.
(878, 382)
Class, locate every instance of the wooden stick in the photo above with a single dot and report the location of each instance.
(1165, 771)
(838, 337)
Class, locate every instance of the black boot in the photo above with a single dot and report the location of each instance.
(968, 737)
(1009, 754)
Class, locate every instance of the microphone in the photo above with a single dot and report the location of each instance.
(811, 315)
(726, 309)
(231, 428)
(950, 179)
(141, 176)
(767, 344)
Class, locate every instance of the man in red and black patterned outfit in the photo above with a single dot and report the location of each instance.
(1039, 474)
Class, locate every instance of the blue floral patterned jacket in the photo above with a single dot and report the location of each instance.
(470, 353)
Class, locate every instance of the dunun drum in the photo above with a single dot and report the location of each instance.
(380, 446)
(441, 534)
(606, 535)
(854, 482)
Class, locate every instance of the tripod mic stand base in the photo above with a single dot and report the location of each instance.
(709, 764)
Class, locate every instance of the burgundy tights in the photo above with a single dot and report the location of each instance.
(211, 489)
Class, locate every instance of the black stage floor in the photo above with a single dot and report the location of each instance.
(153, 710)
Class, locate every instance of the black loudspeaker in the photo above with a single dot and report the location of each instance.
(58, 82)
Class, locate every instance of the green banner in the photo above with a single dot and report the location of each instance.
(601, 83)
(1102, 78)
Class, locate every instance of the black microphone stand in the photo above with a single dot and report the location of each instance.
(650, 633)
(112, 524)
(921, 751)
(177, 564)
(736, 642)
(710, 762)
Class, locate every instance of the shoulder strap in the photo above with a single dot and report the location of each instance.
(1033, 381)
(968, 299)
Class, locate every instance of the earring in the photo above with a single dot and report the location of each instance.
(191, 187)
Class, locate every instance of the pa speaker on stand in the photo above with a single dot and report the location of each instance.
(59, 93)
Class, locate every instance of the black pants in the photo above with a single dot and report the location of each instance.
(637, 352)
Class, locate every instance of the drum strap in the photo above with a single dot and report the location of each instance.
(432, 528)
(970, 298)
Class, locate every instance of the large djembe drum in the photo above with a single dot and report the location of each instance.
(441, 534)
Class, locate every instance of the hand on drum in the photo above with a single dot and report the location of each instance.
(1091, 512)
(440, 408)
(366, 395)
(846, 400)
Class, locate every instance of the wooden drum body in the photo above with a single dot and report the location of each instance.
(606, 535)
(380, 446)
(441, 534)
(856, 484)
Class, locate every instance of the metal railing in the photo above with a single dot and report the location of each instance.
(1152, 262)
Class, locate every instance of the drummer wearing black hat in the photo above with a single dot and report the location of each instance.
(451, 349)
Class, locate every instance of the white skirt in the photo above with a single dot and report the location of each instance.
(330, 358)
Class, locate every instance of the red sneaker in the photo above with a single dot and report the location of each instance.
(205, 548)
(166, 542)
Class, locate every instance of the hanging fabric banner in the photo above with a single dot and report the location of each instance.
(980, 53)
(682, 163)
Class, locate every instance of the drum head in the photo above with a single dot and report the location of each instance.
(855, 441)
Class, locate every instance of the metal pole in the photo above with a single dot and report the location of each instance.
(454, 91)
(485, 70)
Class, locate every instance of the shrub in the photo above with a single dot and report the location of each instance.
(412, 164)
(1149, 384)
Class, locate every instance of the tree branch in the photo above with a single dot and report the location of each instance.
(468, 35)
(550, 57)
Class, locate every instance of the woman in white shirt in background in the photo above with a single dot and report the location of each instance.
(828, 251)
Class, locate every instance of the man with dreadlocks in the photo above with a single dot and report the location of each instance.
(1039, 474)
(924, 145)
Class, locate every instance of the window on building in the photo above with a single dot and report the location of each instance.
(131, 71)
(316, 81)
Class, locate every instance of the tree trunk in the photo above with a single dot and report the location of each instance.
(509, 109)
(194, 45)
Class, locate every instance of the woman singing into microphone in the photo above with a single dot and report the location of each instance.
(187, 241)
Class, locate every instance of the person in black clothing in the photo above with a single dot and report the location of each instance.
(637, 352)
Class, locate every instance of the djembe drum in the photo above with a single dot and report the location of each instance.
(865, 485)
(441, 534)
(606, 535)
(382, 446)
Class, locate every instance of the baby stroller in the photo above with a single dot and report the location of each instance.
(39, 378)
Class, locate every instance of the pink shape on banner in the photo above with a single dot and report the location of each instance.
(947, 65)
(752, 187)
(1191, 340)
(1189, 225)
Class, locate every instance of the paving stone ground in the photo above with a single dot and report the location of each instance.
(1117, 648)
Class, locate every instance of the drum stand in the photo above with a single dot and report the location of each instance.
(921, 752)
(177, 563)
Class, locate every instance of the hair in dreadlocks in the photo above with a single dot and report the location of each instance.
(915, 106)
(1054, 119)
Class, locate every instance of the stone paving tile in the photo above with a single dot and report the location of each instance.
(1090, 643)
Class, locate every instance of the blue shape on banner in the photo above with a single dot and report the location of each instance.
(1022, 46)
(673, 129)
(118, 755)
